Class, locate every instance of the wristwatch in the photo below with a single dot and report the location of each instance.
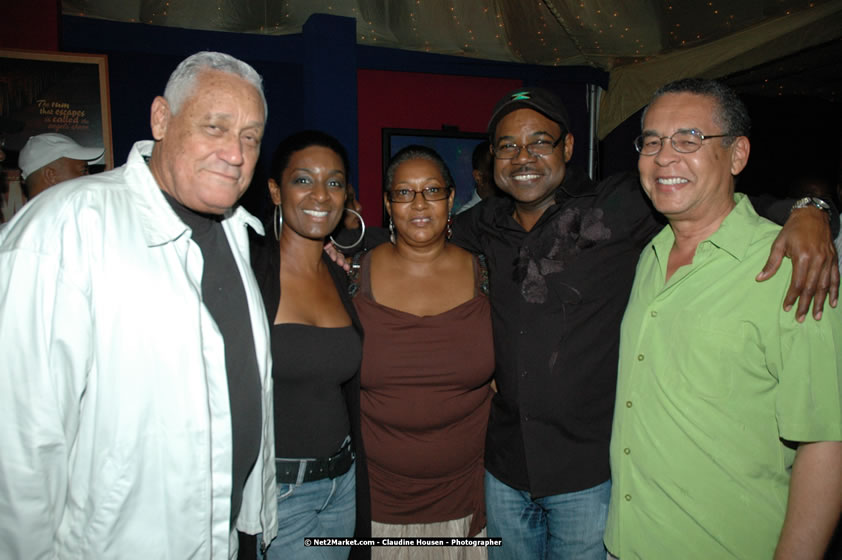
(811, 201)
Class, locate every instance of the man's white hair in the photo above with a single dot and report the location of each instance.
(182, 81)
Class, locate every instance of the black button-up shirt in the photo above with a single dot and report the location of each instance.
(558, 293)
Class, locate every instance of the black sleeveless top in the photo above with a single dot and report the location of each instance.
(265, 259)
(310, 366)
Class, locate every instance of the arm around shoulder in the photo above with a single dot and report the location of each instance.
(806, 240)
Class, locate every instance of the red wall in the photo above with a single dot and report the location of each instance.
(414, 100)
(30, 24)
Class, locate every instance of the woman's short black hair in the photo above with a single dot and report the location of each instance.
(417, 152)
(299, 141)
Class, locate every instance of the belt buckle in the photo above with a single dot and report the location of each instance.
(337, 461)
(332, 464)
(331, 467)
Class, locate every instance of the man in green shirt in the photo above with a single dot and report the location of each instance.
(727, 430)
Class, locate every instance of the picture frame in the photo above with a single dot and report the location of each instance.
(454, 146)
(43, 92)
(55, 92)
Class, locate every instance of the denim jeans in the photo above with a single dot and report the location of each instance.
(321, 508)
(560, 527)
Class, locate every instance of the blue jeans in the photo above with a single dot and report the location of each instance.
(561, 527)
(321, 508)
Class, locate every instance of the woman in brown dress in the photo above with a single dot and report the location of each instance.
(427, 364)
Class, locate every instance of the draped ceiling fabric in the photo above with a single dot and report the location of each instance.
(642, 43)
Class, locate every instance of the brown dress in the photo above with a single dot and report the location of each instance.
(425, 403)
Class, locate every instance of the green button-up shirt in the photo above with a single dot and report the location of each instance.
(712, 375)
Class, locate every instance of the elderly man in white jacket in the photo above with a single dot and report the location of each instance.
(135, 386)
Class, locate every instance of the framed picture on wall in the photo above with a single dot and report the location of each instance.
(455, 147)
(50, 92)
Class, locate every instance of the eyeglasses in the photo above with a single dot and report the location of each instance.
(539, 148)
(430, 194)
(683, 141)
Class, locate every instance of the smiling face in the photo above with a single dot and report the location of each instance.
(421, 221)
(697, 186)
(312, 193)
(531, 180)
(205, 154)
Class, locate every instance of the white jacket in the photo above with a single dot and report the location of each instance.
(115, 429)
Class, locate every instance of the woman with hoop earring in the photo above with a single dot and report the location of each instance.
(316, 343)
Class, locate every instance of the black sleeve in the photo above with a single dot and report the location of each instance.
(622, 195)
(264, 253)
(466, 230)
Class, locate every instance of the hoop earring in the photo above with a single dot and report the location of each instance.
(362, 233)
(449, 232)
(277, 222)
(391, 230)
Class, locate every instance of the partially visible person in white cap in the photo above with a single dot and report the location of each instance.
(51, 158)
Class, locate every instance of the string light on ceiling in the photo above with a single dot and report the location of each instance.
(557, 32)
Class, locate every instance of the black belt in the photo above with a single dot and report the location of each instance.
(286, 470)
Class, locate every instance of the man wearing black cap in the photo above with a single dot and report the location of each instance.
(562, 253)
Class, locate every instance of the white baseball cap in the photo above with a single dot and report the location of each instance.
(44, 149)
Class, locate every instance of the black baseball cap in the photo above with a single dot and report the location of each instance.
(544, 101)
